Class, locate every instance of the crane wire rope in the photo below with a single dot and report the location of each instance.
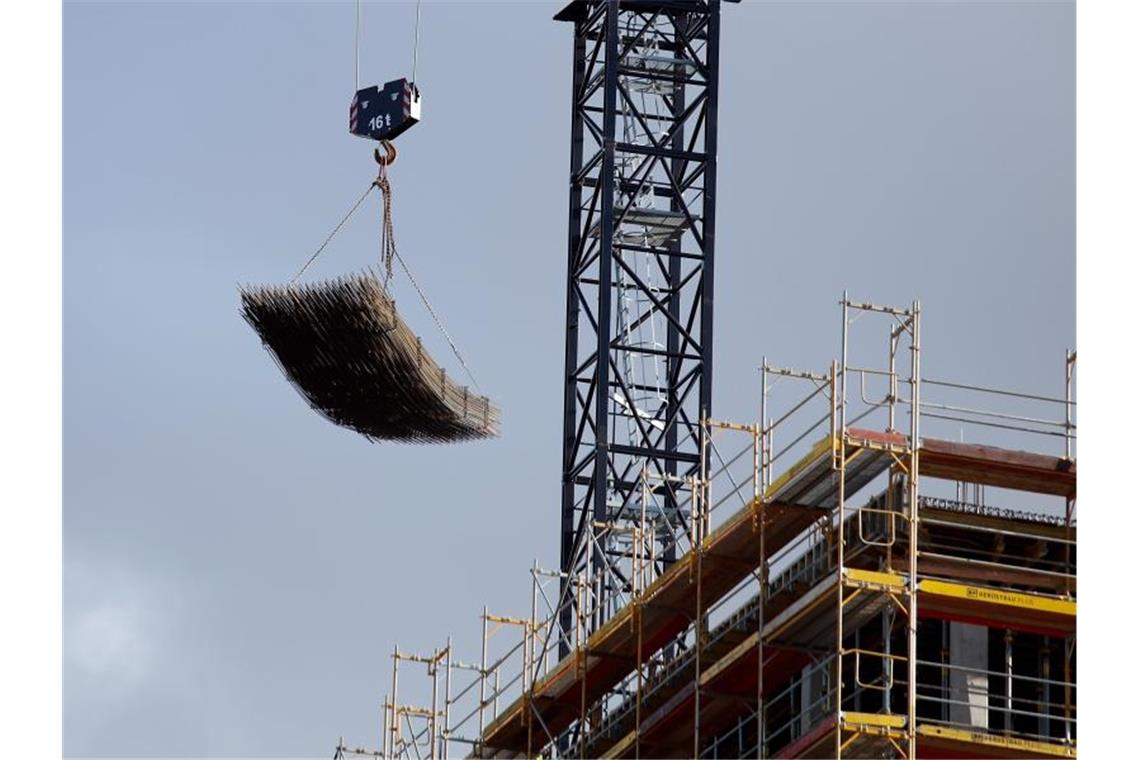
(356, 49)
(388, 252)
(415, 43)
(332, 234)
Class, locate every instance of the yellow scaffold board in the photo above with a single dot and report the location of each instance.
(621, 747)
(1037, 602)
(859, 721)
(824, 446)
(1014, 743)
(875, 579)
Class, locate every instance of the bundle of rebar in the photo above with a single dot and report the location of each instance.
(343, 346)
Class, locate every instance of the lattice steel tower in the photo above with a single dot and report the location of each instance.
(639, 297)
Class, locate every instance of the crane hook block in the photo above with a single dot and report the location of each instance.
(384, 113)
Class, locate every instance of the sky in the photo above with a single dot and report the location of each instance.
(237, 570)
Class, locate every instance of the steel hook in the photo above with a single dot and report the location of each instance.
(389, 156)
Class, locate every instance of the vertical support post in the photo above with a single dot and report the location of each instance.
(944, 670)
(888, 662)
(573, 309)
(699, 644)
(605, 284)
(893, 378)
(1008, 681)
(712, 99)
(444, 748)
(968, 683)
(433, 719)
(495, 697)
(526, 655)
(535, 645)
(640, 685)
(763, 424)
(580, 664)
(383, 731)
(698, 489)
(531, 669)
(912, 544)
(1070, 362)
(483, 677)
(637, 612)
(758, 497)
(394, 724)
(1069, 648)
(673, 343)
(843, 370)
(839, 547)
(839, 459)
(703, 482)
(639, 581)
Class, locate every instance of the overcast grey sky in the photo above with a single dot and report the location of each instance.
(236, 568)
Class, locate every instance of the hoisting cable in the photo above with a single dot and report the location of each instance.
(438, 323)
(388, 252)
(332, 234)
(356, 47)
(416, 43)
(387, 231)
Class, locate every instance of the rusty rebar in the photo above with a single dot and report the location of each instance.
(344, 347)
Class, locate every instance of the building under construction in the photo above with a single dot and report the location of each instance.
(875, 566)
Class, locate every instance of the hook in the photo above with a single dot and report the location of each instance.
(389, 156)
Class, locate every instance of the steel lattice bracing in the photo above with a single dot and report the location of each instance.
(639, 288)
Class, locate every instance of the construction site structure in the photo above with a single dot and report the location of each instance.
(849, 575)
(639, 290)
(868, 599)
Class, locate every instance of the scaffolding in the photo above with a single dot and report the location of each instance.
(823, 605)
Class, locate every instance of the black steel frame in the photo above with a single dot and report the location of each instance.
(676, 165)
